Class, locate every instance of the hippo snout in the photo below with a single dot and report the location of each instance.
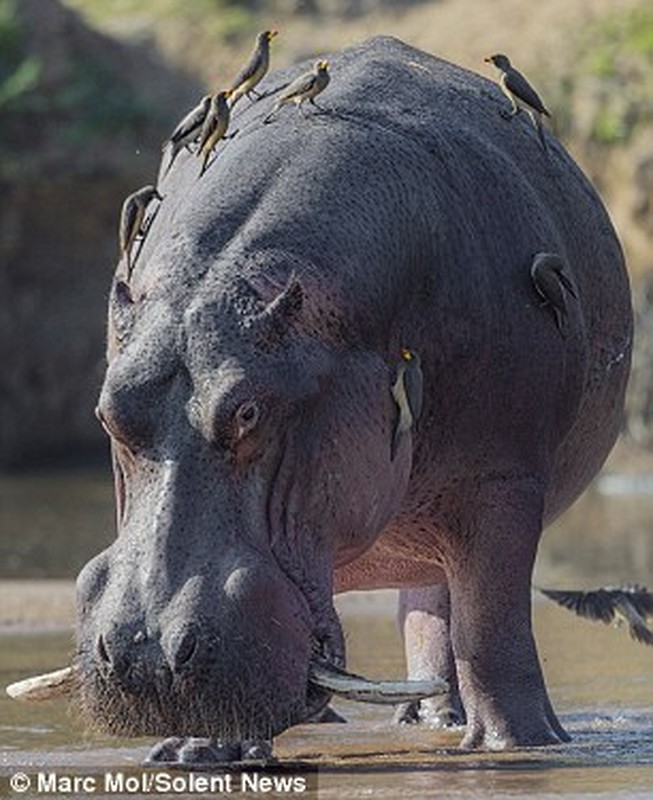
(133, 658)
(226, 658)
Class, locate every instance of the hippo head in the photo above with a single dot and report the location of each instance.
(251, 454)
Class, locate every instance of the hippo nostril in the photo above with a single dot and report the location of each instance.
(183, 648)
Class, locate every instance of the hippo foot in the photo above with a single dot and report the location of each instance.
(437, 716)
(326, 714)
(203, 752)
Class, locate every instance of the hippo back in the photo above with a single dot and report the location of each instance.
(411, 209)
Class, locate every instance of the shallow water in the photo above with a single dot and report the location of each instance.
(601, 682)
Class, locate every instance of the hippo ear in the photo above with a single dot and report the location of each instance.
(273, 322)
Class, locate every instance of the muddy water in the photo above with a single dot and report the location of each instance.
(601, 683)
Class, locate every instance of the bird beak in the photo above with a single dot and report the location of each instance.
(272, 34)
(488, 60)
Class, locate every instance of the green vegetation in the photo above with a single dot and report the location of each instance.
(616, 72)
(216, 20)
(19, 73)
(51, 106)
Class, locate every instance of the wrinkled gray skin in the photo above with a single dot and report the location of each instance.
(251, 417)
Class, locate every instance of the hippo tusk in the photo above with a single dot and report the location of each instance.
(354, 687)
(60, 683)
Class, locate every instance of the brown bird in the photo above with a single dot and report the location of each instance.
(520, 93)
(552, 282)
(629, 604)
(254, 70)
(132, 220)
(305, 87)
(214, 127)
(188, 130)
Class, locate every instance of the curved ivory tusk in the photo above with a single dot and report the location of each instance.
(354, 687)
(60, 683)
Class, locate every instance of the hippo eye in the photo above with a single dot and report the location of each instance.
(247, 416)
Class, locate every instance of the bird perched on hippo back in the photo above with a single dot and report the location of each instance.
(214, 127)
(188, 130)
(408, 394)
(254, 70)
(305, 87)
(520, 93)
(552, 282)
(132, 220)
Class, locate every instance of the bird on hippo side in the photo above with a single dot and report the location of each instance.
(249, 402)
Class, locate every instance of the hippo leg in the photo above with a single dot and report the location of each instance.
(489, 569)
(423, 618)
(195, 751)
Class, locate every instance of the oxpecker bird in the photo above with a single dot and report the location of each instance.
(306, 87)
(188, 130)
(520, 93)
(132, 220)
(629, 604)
(552, 281)
(407, 391)
(254, 70)
(214, 127)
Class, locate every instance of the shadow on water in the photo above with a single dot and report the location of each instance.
(601, 682)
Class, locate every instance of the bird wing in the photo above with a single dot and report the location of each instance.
(521, 88)
(599, 604)
(568, 282)
(208, 127)
(191, 122)
(548, 284)
(637, 626)
(130, 222)
(414, 381)
(641, 599)
(300, 86)
(247, 71)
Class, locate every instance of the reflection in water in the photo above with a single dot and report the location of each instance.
(600, 681)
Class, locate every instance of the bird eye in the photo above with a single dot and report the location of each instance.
(247, 416)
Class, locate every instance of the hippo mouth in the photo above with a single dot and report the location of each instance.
(325, 679)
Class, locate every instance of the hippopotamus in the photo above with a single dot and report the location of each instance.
(248, 397)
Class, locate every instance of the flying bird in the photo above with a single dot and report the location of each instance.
(132, 221)
(407, 391)
(552, 282)
(629, 604)
(520, 93)
(305, 87)
(254, 70)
